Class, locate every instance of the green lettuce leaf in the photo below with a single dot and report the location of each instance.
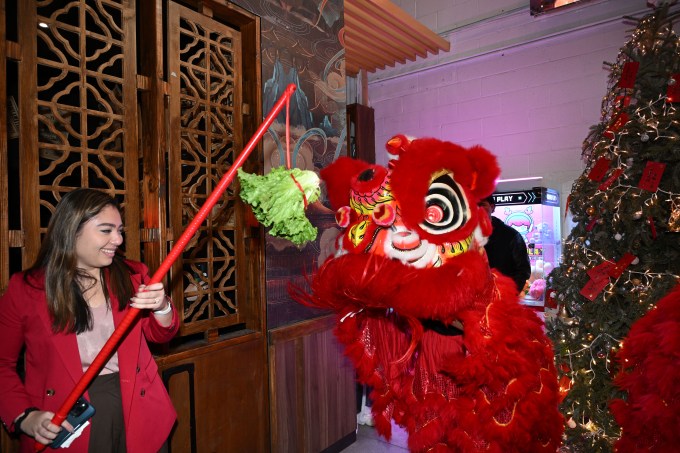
(277, 201)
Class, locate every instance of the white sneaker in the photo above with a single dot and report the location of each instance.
(365, 417)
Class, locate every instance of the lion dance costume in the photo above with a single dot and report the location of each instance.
(449, 351)
(650, 370)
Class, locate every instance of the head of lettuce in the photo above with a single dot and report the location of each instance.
(279, 199)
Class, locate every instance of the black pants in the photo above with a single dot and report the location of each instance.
(107, 431)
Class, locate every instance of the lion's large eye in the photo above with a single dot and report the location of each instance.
(446, 208)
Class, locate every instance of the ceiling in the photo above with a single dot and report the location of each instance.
(379, 34)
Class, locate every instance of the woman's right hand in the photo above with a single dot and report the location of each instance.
(38, 425)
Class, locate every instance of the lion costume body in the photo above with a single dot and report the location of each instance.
(449, 351)
(650, 369)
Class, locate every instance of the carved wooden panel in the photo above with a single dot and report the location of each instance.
(204, 67)
(78, 108)
(221, 396)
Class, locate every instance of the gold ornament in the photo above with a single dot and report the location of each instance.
(590, 211)
(674, 219)
(564, 316)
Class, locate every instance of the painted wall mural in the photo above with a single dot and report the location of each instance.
(301, 44)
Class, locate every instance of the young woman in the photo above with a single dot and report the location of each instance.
(62, 310)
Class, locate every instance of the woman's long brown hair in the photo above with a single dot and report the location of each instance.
(57, 259)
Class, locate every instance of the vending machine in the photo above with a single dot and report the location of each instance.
(535, 214)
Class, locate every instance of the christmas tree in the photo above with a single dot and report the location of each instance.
(623, 254)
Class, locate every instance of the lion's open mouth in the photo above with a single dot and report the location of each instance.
(406, 246)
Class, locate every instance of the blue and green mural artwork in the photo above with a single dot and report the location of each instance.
(300, 44)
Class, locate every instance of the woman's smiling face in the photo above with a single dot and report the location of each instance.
(98, 239)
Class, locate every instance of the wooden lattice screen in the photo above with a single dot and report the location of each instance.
(205, 107)
(81, 123)
(78, 112)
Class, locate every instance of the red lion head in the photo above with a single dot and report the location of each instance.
(422, 209)
(417, 221)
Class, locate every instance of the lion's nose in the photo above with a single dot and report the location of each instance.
(405, 240)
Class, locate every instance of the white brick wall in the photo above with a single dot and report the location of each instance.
(531, 103)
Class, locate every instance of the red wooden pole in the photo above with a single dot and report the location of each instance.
(112, 343)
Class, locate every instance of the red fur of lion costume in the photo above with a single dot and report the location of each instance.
(410, 274)
(650, 371)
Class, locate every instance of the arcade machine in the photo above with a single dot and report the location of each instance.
(535, 213)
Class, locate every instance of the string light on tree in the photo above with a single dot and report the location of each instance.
(623, 253)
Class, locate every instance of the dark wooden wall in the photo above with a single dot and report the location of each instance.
(220, 393)
(361, 132)
(312, 389)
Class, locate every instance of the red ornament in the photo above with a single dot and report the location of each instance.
(651, 176)
(566, 206)
(601, 271)
(673, 90)
(550, 300)
(613, 177)
(599, 169)
(594, 287)
(565, 386)
(617, 123)
(621, 265)
(591, 224)
(629, 74)
(622, 101)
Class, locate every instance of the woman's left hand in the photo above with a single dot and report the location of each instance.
(150, 297)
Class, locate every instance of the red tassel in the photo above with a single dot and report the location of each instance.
(652, 226)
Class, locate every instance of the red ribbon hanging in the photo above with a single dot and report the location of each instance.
(617, 123)
(601, 271)
(304, 196)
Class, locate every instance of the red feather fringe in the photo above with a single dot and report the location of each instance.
(650, 361)
(493, 389)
